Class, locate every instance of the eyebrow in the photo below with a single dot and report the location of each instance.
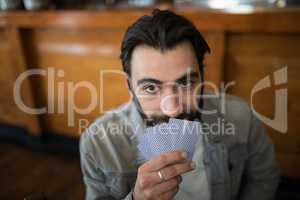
(182, 78)
(149, 80)
(185, 76)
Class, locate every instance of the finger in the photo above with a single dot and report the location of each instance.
(152, 179)
(177, 169)
(169, 194)
(166, 186)
(163, 160)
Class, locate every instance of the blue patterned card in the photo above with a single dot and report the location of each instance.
(172, 136)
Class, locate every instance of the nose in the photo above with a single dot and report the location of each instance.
(170, 103)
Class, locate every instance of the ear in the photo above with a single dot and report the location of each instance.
(129, 87)
(129, 84)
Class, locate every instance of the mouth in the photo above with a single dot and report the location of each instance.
(155, 120)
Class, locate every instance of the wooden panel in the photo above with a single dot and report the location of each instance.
(252, 57)
(214, 62)
(8, 110)
(12, 63)
(269, 20)
(81, 55)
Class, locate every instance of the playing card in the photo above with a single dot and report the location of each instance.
(161, 139)
(172, 136)
(187, 138)
(144, 144)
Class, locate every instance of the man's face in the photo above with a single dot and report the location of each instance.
(166, 84)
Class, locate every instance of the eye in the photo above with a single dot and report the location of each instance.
(151, 89)
(187, 83)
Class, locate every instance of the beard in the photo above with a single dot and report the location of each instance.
(193, 115)
(157, 119)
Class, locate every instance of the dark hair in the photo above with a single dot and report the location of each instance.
(162, 30)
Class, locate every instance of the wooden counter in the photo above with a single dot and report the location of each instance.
(76, 45)
(277, 20)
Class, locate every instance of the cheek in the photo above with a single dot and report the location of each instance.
(190, 99)
(150, 106)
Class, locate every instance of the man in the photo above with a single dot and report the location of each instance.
(162, 55)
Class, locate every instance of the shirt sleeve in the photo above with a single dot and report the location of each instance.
(93, 176)
(262, 172)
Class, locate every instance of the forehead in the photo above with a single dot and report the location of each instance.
(165, 66)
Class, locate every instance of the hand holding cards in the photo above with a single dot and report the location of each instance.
(159, 178)
(169, 149)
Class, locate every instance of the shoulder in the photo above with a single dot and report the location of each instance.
(236, 109)
(231, 107)
(233, 117)
(108, 141)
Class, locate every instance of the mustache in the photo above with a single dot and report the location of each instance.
(158, 119)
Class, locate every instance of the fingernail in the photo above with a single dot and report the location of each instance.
(193, 165)
(184, 154)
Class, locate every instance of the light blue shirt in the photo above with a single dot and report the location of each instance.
(236, 165)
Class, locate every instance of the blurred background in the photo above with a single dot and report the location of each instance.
(52, 53)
